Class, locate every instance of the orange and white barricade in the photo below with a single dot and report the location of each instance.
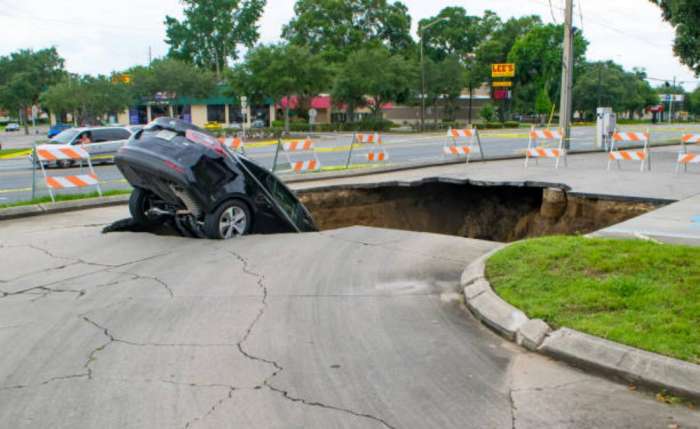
(685, 157)
(234, 143)
(454, 147)
(618, 155)
(301, 149)
(537, 146)
(51, 153)
(372, 155)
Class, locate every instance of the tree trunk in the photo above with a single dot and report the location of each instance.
(23, 119)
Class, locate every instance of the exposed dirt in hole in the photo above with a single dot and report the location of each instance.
(497, 213)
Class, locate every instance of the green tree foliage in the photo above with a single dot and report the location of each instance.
(538, 59)
(503, 35)
(24, 75)
(336, 28)
(86, 98)
(212, 30)
(170, 76)
(455, 33)
(488, 112)
(684, 15)
(608, 84)
(443, 85)
(278, 71)
(376, 74)
(543, 104)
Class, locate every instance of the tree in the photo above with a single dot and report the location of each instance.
(684, 15)
(336, 28)
(374, 77)
(172, 77)
(543, 104)
(608, 84)
(24, 75)
(538, 59)
(444, 83)
(86, 98)
(279, 71)
(212, 30)
(455, 33)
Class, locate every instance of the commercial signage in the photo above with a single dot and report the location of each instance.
(501, 94)
(503, 70)
(502, 84)
(677, 98)
(122, 78)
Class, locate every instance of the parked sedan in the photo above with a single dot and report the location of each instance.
(12, 126)
(183, 176)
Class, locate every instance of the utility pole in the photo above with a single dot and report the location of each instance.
(670, 101)
(567, 70)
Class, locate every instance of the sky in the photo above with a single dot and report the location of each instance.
(101, 36)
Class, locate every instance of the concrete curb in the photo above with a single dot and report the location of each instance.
(62, 206)
(630, 364)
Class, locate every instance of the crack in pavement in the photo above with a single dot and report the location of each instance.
(50, 380)
(278, 368)
(213, 408)
(513, 408)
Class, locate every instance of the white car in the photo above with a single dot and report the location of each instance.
(12, 126)
(102, 143)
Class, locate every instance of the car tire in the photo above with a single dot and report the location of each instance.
(64, 163)
(140, 202)
(231, 219)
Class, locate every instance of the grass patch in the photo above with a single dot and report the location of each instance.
(65, 197)
(639, 293)
(9, 153)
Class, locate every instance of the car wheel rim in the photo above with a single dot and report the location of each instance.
(232, 223)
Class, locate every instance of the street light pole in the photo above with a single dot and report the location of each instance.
(421, 29)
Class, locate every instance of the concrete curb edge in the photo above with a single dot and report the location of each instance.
(630, 364)
(62, 206)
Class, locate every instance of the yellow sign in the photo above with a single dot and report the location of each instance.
(121, 78)
(502, 70)
(502, 84)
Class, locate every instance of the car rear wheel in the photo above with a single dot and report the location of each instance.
(140, 202)
(231, 219)
(64, 163)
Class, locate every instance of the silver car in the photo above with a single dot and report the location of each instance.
(102, 143)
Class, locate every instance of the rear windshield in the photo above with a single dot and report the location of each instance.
(65, 137)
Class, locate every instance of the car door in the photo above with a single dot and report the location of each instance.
(98, 144)
(117, 138)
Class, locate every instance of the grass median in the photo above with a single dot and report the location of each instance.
(639, 293)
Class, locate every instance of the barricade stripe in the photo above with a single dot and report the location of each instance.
(45, 155)
(691, 138)
(75, 181)
(70, 153)
(689, 158)
(53, 183)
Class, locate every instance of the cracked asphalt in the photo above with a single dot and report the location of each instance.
(351, 328)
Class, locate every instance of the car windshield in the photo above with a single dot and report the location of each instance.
(65, 137)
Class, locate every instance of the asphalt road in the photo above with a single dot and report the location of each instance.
(351, 328)
(16, 175)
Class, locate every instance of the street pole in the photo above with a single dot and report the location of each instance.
(421, 29)
(670, 101)
(567, 69)
(422, 79)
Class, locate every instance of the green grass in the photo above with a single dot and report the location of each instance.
(11, 152)
(639, 293)
(65, 197)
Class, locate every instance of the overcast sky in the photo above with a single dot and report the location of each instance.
(100, 36)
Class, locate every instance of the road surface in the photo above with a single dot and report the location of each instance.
(16, 175)
(350, 328)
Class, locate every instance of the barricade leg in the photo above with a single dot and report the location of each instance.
(92, 172)
(43, 172)
(349, 158)
(277, 152)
